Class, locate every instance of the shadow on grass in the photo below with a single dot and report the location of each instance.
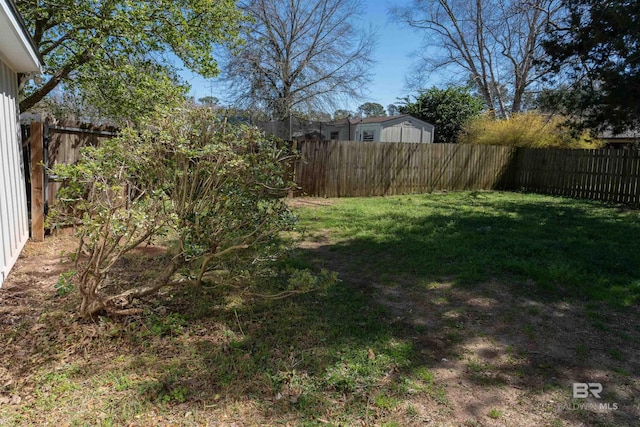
(566, 248)
(448, 308)
(529, 292)
(324, 355)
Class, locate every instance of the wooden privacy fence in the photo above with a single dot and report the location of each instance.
(606, 174)
(351, 168)
(63, 142)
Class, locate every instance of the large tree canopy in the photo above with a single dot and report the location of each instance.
(597, 46)
(125, 50)
(371, 109)
(493, 44)
(299, 55)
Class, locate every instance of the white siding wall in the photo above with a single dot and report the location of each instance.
(392, 134)
(427, 134)
(411, 134)
(14, 223)
(407, 132)
(341, 130)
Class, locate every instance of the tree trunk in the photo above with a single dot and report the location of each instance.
(92, 303)
(28, 103)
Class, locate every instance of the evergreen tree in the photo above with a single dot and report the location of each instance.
(595, 53)
(447, 109)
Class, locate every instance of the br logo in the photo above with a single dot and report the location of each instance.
(583, 390)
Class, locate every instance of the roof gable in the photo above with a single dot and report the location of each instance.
(385, 120)
(389, 120)
(377, 119)
(16, 46)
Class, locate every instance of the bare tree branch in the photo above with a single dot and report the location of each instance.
(302, 55)
(495, 43)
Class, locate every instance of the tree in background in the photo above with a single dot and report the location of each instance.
(526, 130)
(313, 116)
(117, 53)
(209, 101)
(392, 110)
(299, 55)
(494, 44)
(371, 109)
(447, 109)
(596, 47)
(341, 114)
(71, 105)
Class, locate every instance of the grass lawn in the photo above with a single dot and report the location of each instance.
(553, 248)
(469, 309)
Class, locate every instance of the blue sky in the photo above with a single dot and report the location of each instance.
(392, 55)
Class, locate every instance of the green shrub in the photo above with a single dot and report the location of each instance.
(526, 130)
(447, 109)
(64, 285)
(215, 188)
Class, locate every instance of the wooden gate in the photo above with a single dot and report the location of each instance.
(49, 144)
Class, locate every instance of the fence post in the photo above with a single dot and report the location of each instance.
(291, 170)
(37, 182)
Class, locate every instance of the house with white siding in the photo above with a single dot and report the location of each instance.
(18, 54)
(402, 128)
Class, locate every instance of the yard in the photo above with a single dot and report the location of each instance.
(466, 309)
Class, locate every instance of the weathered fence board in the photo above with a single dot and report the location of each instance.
(605, 174)
(66, 139)
(50, 144)
(37, 182)
(351, 168)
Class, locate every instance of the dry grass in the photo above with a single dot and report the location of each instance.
(390, 344)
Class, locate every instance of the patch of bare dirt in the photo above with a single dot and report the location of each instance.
(298, 202)
(505, 358)
(45, 344)
(24, 300)
(498, 357)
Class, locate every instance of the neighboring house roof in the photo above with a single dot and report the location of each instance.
(17, 48)
(339, 122)
(378, 119)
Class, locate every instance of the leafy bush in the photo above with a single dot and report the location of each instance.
(526, 130)
(447, 109)
(64, 285)
(215, 189)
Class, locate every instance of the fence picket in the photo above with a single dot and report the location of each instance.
(348, 168)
